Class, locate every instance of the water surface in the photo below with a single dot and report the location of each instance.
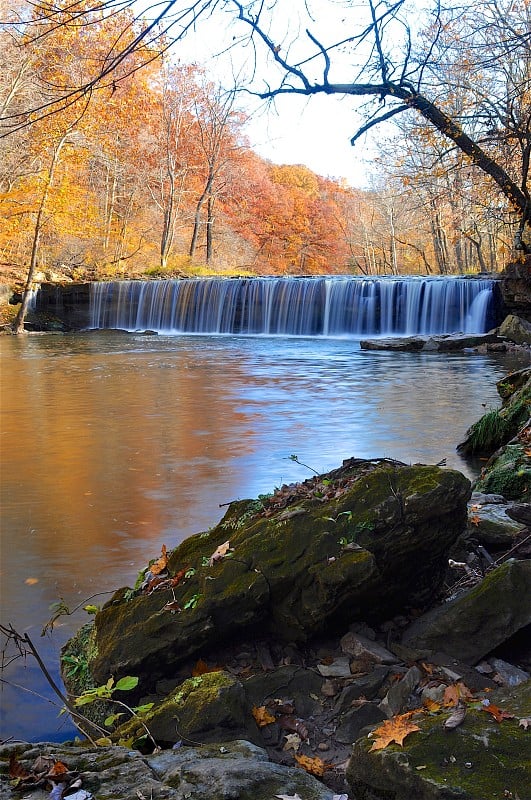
(114, 444)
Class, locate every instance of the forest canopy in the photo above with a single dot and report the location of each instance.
(118, 159)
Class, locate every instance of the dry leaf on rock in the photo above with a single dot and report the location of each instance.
(293, 742)
(457, 718)
(293, 724)
(431, 705)
(393, 730)
(17, 771)
(315, 766)
(201, 668)
(219, 553)
(498, 713)
(161, 563)
(456, 692)
(262, 716)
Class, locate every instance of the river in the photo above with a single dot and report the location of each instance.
(113, 444)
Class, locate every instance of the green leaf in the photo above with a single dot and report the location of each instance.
(91, 609)
(85, 699)
(192, 602)
(143, 709)
(127, 683)
(111, 719)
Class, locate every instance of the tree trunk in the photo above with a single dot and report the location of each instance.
(18, 324)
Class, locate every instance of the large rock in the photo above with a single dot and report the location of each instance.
(515, 329)
(217, 772)
(498, 426)
(480, 759)
(489, 524)
(362, 542)
(477, 621)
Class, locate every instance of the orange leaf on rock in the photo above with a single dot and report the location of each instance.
(160, 565)
(498, 713)
(201, 668)
(57, 770)
(315, 766)
(393, 730)
(262, 716)
(455, 692)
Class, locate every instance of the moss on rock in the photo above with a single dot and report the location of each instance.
(208, 708)
(480, 760)
(377, 543)
(508, 474)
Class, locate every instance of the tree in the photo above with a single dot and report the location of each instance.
(392, 64)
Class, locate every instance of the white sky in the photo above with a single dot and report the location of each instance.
(315, 131)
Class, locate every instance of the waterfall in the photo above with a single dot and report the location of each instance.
(313, 306)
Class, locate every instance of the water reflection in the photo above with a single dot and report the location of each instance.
(114, 444)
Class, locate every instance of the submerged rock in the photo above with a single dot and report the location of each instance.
(359, 543)
(444, 343)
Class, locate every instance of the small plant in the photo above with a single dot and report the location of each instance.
(192, 602)
(77, 666)
(105, 693)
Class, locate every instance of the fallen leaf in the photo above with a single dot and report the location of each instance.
(262, 716)
(288, 797)
(219, 553)
(160, 565)
(16, 770)
(293, 724)
(475, 520)
(293, 742)
(57, 770)
(498, 713)
(315, 766)
(393, 730)
(525, 723)
(431, 705)
(201, 668)
(31, 581)
(456, 692)
(457, 718)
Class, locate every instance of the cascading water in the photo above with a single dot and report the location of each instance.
(320, 306)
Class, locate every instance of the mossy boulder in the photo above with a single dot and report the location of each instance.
(362, 542)
(497, 427)
(515, 329)
(508, 473)
(480, 619)
(479, 760)
(208, 708)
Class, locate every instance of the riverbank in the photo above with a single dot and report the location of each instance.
(453, 675)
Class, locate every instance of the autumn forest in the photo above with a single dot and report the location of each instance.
(149, 172)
